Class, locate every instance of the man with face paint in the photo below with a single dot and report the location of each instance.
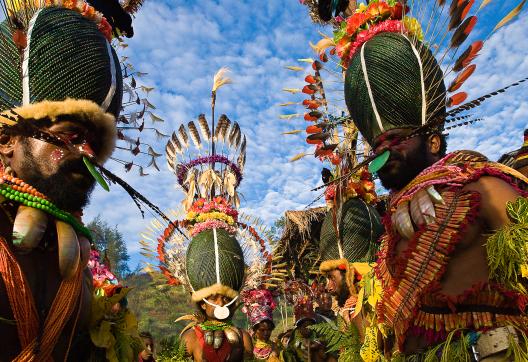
(60, 93)
(444, 265)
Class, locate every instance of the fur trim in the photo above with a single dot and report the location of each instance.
(329, 265)
(212, 290)
(87, 110)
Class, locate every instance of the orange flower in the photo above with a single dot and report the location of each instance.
(355, 22)
(379, 8)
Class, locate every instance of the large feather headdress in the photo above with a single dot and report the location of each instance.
(220, 250)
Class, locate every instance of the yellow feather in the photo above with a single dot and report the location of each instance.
(220, 78)
(297, 157)
(510, 16)
(306, 60)
(484, 3)
(293, 132)
(292, 90)
(287, 104)
(289, 116)
(294, 68)
(322, 45)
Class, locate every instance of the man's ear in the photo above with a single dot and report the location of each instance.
(435, 143)
(7, 146)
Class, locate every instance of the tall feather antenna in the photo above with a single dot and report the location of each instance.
(220, 79)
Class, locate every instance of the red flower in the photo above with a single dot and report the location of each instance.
(397, 11)
(355, 22)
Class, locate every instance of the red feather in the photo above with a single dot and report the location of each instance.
(310, 79)
(309, 89)
(313, 142)
(311, 104)
(313, 129)
(309, 117)
(317, 65)
(468, 55)
(460, 13)
(456, 99)
(461, 78)
(463, 31)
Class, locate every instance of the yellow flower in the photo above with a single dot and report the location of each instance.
(524, 270)
(362, 8)
(190, 215)
(413, 27)
(215, 215)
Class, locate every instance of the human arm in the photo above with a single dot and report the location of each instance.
(248, 344)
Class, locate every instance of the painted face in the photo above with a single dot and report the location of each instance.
(58, 172)
(407, 157)
(216, 299)
(335, 282)
(263, 331)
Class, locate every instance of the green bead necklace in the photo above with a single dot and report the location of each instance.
(44, 205)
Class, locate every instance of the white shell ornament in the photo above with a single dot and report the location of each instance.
(221, 312)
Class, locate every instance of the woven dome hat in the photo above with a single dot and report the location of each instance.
(359, 229)
(66, 56)
(214, 270)
(393, 82)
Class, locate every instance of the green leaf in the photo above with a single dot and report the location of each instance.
(518, 210)
(380, 161)
(96, 175)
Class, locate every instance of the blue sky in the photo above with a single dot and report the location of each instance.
(181, 44)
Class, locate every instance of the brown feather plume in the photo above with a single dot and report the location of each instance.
(195, 136)
(183, 135)
(204, 127)
(176, 143)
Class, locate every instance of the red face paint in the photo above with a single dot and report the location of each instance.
(85, 149)
(57, 155)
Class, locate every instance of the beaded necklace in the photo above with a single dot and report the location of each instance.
(16, 190)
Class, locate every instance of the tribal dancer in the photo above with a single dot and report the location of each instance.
(60, 94)
(259, 305)
(453, 259)
(217, 256)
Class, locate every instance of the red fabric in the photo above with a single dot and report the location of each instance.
(209, 353)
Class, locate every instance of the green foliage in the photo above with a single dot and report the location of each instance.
(507, 249)
(340, 338)
(171, 350)
(109, 241)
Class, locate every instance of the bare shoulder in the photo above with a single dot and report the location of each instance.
(495, 193)
(189, 339)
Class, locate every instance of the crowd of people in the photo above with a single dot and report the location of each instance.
(436, 270)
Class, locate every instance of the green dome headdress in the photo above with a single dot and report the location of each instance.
(396, 72)
(217, 253)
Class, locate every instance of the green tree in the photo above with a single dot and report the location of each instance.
(109, 241)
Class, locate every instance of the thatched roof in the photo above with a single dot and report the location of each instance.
(299, 243)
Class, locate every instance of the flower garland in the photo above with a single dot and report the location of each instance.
(379, 16)
(212, 224)
(185, 167)
(88, 12)
(105, 282)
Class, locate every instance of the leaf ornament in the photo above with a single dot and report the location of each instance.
(204, 127)
(184, 136)
(195, 136)
(230, 183)
(461, 78)
(510, 16)
(463, 31)
(469, 54)
(456, 99)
